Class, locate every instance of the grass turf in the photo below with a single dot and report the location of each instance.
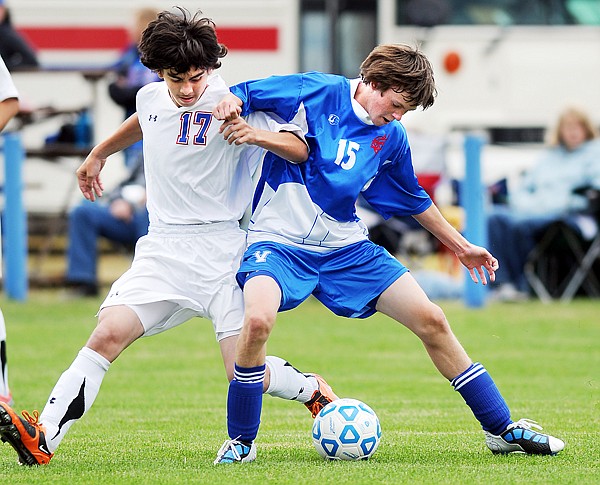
(160, 416)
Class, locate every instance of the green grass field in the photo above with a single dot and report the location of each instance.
(160, 416)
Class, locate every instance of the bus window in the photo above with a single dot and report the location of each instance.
(429, 13)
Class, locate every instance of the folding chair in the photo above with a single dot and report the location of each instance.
(562, 263)
(585, 271)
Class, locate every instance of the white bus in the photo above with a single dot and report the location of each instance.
(505, 66)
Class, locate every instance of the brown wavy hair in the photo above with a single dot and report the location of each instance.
(403, 69)
(180, 42)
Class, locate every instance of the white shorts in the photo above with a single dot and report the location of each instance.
(180, 272)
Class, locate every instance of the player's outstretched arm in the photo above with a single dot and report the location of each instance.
(476, 259)
(88, 173)
(282, 143)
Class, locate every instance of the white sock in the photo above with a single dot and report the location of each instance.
(4, 390)
(287, 382)
(73, 395)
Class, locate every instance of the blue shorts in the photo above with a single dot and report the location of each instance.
(348, 281)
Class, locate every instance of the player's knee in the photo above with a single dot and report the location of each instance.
(434, 324)
(108, 339)
(258, 326)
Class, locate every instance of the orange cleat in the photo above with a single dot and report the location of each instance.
(321, 397)
(26, 436)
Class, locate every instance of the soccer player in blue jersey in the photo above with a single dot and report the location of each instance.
(305, 238)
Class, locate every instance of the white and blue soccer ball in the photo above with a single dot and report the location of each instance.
(346, 429)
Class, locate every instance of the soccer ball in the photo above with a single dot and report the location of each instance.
(346, 429)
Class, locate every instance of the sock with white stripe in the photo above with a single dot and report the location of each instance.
(480, 393)
(244, 402)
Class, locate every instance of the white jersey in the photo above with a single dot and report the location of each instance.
(198, 187)
(7, 86)
(192, 175)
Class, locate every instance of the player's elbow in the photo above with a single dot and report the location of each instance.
(300, 156)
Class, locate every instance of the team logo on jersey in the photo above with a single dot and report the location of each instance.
(333, 119)
(378, 142)
(152, 117)
(261, 256)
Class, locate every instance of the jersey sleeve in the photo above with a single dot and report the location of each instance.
(270, 121)
(7, 86)
(278, 94)
(395, 190)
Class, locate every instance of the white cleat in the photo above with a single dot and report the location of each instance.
(520, 437)
(234, 451)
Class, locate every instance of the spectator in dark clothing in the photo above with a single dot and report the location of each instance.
(122, 219)
(14, 49)
(132, 75)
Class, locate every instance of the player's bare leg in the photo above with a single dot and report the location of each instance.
(262, 297)
(406, 302)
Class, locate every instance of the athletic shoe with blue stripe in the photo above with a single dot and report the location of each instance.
(234, 451)
(520, 437)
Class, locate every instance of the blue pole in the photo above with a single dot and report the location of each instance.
(473, 205)
(15, 221)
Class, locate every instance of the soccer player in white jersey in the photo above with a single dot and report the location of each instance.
(305, 238)
(198, 187)
(9, 107)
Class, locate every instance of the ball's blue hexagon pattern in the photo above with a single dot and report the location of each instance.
(348, 412)
(368, 444)
(366, 408)
(316, 430)
(349, 435)
(330, 446)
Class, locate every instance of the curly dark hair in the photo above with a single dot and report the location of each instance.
(403, 69)
(180, 42)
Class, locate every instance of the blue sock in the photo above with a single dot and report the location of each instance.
(483, 397)
(244, 402)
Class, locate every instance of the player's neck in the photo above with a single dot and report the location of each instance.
(362, 91)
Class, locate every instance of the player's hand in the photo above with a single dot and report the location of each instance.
(238, 131)
(228, 108)
(88, 176)
(476, 259)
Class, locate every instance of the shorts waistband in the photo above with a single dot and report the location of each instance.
(170, 229)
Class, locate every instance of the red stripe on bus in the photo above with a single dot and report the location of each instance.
(76, 38)
(80, 38)
(249, 38)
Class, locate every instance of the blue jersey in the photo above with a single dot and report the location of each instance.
(312, 204)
